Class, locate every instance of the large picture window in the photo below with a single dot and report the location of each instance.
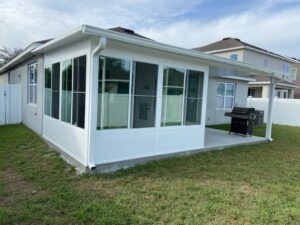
(225, 95)
(32, 84)
(144, 95)
(55, 90)
(48, 90)
(71, 92)
(113, 93)
(193, 98)
(182, 97)
(79, 89)
(172, 99)
(66, 92)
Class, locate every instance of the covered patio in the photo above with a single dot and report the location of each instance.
(220, 139)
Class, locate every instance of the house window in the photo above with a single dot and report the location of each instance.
(251, 92)
(71, 93)
(193, 97)
(113, 93)
(144, 94)
(234, 57)
(66, 92)
(55, 90)
(79, 89)
(173, 97)
(48, 90)
(266, 62)
(32, 84)
(225, 95)
(181, 103)
(285, 68)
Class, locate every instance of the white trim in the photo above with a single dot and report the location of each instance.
(204, 57)
(238, 78)
(277, 84)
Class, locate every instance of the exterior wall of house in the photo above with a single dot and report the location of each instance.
(226, 54)
(257, 58)
(69, 138)
(4, 78)
(297, 90)
(216, 116)
(115, 145)
(31, 114)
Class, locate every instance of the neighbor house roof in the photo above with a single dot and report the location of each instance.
(128, 32)
(22, 56)
(234, 44)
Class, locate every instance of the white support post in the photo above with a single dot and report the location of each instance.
(270, 109)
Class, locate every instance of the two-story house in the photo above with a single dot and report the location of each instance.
(229, 91)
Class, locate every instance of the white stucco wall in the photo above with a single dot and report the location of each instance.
(216, 116)
(31, 114)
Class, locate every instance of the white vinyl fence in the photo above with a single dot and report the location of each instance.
(285, 111)
(10, 104)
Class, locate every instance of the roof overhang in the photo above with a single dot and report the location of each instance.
(86, 30)
(262, 83)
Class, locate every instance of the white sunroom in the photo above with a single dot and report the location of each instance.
(112, 101)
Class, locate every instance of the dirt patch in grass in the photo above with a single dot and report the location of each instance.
(16, 188)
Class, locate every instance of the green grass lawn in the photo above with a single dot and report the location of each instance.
(255, 184)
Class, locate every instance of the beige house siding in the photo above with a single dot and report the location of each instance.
(297, 90)
(226, 54)
(256, 58)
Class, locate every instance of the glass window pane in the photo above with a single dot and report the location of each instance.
(79, 82)
(48, 91)
(221, 89)
(193, 111)
(229, 89)
(193, 99)
(66, 95)
(144, 101)
(220, 102)
(113, 89)
(173, 77)
(229, 102)
(144, 111)
(78, 109)
(55, 90)
(194, 84)
(172, 99)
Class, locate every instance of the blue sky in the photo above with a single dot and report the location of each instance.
(270, 24)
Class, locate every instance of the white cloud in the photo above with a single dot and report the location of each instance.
(277, 32)
(25, 21)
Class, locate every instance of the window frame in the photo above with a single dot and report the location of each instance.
(234, 58)
(34, 85)
(60, 62)
(224, 95)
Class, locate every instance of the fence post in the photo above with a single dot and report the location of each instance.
(270, 109)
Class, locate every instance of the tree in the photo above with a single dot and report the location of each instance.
(7, 54)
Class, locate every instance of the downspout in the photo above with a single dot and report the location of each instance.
(99, 48)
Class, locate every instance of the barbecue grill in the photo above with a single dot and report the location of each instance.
(242, 120)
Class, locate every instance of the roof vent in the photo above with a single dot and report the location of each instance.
(227, 38)
(237, 39)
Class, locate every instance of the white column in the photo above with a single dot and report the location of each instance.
(270, 109)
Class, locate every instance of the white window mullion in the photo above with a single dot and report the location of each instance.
(185, 89)
(130, 96)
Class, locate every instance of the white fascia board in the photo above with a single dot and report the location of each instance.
(226, 50)
(277, 84)
(238, 78)
(207, 58)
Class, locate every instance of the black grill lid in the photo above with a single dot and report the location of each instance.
(242, 110)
